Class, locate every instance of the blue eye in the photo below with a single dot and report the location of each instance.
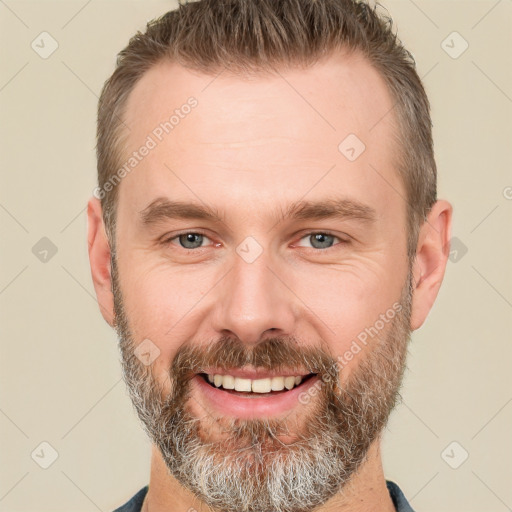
(320, 240)
(190, 240)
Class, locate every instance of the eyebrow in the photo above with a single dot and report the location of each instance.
(163, 209)
(330, 208)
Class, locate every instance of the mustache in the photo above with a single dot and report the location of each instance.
(272, 354)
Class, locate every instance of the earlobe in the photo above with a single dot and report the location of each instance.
(431, 257)
(99, 259)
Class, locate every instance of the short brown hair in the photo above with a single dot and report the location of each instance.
(261, 35)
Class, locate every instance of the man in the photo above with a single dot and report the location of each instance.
(265, 236)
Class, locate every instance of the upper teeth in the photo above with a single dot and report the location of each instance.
(254, 385)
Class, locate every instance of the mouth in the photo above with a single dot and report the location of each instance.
(249, 394)
(260, 386)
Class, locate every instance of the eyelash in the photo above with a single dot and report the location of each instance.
(341, 241)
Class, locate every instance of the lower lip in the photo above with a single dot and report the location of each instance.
(254, 405)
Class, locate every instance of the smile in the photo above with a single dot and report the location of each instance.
(250, 394)
(266, 385)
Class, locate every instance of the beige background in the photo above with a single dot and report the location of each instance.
(59, 374)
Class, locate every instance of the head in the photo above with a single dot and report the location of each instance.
(268, 199)
(244, 36)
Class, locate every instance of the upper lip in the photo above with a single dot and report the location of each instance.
(254, 374)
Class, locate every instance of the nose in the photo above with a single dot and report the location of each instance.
(253, 303)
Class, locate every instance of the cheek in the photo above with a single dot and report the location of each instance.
(348, 301)
(162, 303)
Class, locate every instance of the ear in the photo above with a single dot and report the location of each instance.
(99, 259)
(429, 266)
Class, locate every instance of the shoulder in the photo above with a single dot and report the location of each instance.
(135, 504)
(399, 500)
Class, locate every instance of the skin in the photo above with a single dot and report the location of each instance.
(250, 148)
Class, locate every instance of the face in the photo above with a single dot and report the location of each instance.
(264, 276)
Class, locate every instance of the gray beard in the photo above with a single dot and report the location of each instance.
(249, 468)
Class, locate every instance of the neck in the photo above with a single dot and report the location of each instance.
(365, 492)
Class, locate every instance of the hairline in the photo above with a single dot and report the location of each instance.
(397, 132)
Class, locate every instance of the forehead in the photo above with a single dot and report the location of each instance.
(282, 132)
